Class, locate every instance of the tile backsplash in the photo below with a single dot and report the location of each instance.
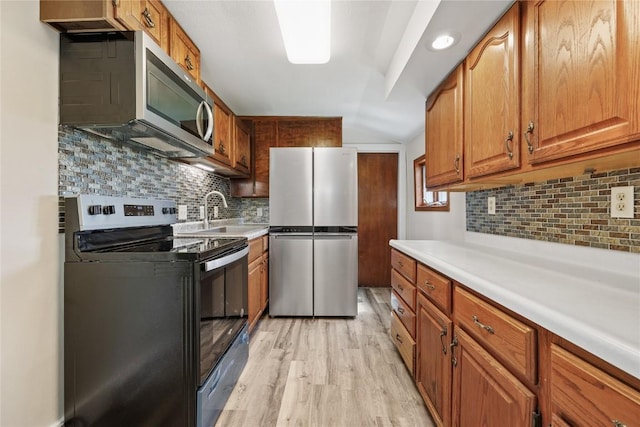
(91, 164)
(573, 210)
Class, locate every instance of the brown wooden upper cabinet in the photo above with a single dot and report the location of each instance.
(183, 50)
(444, 132)
(107, 15)
(223, 118)
(242, 146)
(283, 132)
(552, 90)
(581, 76)
(492, 100)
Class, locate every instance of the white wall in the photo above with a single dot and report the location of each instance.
(423, 225)
(30, 254)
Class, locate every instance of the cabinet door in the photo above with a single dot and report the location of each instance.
(241, 146)
(264, 284)
(581, 76)
(265, 134)
(485, 392)
(444, 132)
(583, 395)
(222, 134)
(433, 360)
(253, 295)
(148, 15)
(492, 99)
(183, 50)
(311, 132)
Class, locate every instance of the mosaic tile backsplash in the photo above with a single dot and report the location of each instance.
(572, 210)
(92, 164)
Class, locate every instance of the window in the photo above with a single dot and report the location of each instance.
(427, 200)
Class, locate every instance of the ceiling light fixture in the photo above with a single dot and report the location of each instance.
(443, 42)
(306, 30)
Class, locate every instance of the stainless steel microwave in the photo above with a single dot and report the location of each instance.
(123, 86)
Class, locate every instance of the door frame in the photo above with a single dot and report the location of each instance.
(402, 177)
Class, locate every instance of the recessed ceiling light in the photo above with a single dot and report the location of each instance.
(306, 30)
(443, 42)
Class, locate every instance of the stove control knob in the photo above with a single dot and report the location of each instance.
(109, 210)
(173, 211)
(95, 210)
(165, 210)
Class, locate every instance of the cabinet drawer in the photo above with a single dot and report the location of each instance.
(583, 395)
(404, 264)
(404, 313)
(255, 249)
(501, 334)
(435, 286)
(403, 341)
(404, 288)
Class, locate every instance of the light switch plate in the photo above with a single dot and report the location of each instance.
(622, 202)
(259, 212)
(182, 212)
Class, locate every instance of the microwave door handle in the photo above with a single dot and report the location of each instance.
(199, 119)
(210, 123)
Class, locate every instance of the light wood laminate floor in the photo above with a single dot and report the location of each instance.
(326, 372)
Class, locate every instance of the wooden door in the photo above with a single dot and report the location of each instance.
(377, 216)
(444, 132)
(242, 146)
(485, 393)
(492, 100)
(581, 76)
(433, 360)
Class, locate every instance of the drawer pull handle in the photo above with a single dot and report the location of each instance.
(506, 144)
(400, 288)
(429, 285)
(400, 310)
(617, 423)
(398, 338)
(482, 325)
(456, 164)
(528, 132)
(147, 18)
(443, 333)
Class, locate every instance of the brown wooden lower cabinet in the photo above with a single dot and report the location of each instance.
(583, 395)
(478, 364)
(258, 283)
(433, 360)
(485, 392)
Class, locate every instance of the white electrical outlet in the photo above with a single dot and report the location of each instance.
(491, 205)
(259, 212)
(182, 212)
(215, 212)
(201, 212)
(622, 202)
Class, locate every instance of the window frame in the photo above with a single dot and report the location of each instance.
(419, 188)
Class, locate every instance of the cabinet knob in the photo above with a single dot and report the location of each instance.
(482, 325)
(188, 63)
(528, 132)
(507, 146)
(147, 18)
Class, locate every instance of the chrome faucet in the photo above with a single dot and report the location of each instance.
(206, 206)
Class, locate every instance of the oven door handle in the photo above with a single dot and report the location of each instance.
(225, 260)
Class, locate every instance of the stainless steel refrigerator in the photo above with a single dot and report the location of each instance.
(313, 242)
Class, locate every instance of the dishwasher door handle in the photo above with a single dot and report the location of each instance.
(293, 236)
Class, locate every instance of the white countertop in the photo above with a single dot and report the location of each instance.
(594, 307)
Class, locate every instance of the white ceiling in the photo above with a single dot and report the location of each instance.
(379, 74)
